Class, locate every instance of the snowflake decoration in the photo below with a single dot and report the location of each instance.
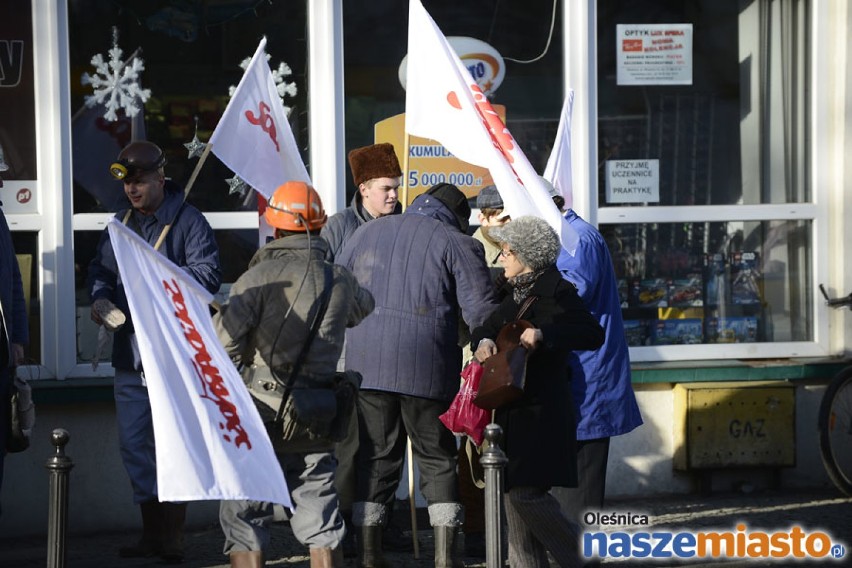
(284, 88)
(116, 82)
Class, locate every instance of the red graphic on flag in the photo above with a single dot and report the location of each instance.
(265, 121)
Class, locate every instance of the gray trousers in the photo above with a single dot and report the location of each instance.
(315, 518)
(536, 527)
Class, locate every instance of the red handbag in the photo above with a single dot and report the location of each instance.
(463, 417)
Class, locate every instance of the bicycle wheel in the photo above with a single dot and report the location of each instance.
(835, 430)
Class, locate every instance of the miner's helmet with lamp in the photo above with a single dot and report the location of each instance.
(137, 157)
(295, 206)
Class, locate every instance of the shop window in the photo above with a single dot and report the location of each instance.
(713, 283)
(528, 36)
(702, 115)
(192, 55)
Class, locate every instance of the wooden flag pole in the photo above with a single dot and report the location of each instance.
(405, 171)
(411, 499)
(207, 148)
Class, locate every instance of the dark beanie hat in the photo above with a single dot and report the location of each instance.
(375, 161)
(455, 200)
(489, 198)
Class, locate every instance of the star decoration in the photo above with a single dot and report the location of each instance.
(195, 147)
(236, 185)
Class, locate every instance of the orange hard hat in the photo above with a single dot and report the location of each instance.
(295, 205)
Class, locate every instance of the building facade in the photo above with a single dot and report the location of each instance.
(709, 145)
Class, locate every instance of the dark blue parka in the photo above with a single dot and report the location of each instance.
(423, 272)
(14, 311)
(190, 244)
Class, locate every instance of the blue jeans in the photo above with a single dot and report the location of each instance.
(136, 434)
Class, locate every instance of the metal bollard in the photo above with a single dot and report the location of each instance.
(59, 465)
(493, 461)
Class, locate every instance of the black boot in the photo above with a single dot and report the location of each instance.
(174, 517)
(446, 542)
(370, 547)
(150, 544)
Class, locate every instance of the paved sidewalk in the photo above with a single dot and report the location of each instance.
(823, 510)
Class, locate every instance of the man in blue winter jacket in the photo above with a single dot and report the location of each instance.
(156, 203)
(423, 271)
(603, 394)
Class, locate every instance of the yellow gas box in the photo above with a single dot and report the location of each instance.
(734, 424)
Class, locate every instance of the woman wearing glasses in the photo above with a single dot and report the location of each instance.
(540, 428)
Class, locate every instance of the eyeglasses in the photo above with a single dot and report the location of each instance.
(506, 253)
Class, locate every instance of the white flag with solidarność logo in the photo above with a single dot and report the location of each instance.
(253, 137)
(444, 103)
(211, 442)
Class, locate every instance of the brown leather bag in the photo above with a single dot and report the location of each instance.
(504, 374)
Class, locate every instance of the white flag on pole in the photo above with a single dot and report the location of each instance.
(253, 137)
(444, 103)
(211, 442)
(558, 170)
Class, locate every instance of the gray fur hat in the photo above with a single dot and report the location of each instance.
(533, 241)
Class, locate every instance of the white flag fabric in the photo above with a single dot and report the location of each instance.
(558, 170)
(445, 104)
(253, 137)
(211, 443)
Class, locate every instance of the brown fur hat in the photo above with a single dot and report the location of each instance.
(375, 161)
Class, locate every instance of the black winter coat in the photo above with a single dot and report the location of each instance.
(540, 429)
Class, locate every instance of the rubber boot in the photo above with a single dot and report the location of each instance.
(150, 544)
(327, 557)
(370, 547)
(247, 559)
(446, 542)
(174, 517)
(349, 544)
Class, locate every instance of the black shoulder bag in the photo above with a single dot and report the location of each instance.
(307, 414)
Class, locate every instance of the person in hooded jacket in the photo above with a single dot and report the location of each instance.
(265, 325)
(423, 270)
(539, 429)
(157, 208)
